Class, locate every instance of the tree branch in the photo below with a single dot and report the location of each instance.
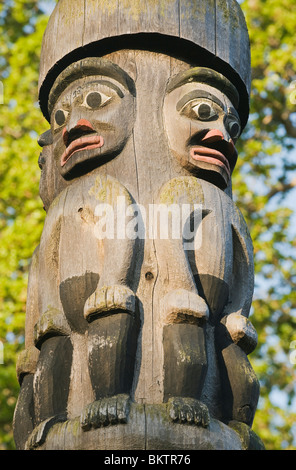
(281, 188)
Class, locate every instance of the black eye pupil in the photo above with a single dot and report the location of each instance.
(60, 117)
(234, 129)
(94, 100)
(204, 111)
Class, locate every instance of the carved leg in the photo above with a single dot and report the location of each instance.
(181, 199)
(120, 250)
(51, 386)
(114, 290)
(111, 310)
(112, 344)
(185, 359)
(183, 311)
(24, 414)
(240, 386)
(24, 418)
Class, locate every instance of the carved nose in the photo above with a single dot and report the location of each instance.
(82, 126)
(45, 139)
(214, 135)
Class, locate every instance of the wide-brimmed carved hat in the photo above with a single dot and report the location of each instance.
(208, 33)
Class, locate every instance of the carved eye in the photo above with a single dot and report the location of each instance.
(96, 99)
(232, 125)
(204, 111)
(41, 161)
(60, 117)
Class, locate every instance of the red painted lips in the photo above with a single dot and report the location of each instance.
(207, 153)
(87, 141)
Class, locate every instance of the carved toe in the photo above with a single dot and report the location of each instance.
(104, 412)
(188, 410)
(38, 436)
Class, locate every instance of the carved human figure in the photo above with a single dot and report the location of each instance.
(117, 319)
(215, 274)
(145, 102)
(203, 124)
(84, 284)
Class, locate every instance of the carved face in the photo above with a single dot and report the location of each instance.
(202, 126)
(91, 121)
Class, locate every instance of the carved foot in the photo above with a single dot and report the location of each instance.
(249, 439)
(111, 410)
(38, 436)
(188, 410)
(108, 299)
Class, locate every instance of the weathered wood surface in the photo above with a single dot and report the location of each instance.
(124, 330)
(149, 429)
(215, 30)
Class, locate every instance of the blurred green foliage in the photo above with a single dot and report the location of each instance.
(22, 25)
(264, 188)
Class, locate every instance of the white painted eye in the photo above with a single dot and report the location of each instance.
(60, 118)
(232, 125)
(204, 111)
(96, 99)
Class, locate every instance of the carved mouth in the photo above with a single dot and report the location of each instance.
(86, 142)
(213, 149)
(210, 155)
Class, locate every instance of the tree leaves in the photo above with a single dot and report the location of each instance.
(21, 214)
(264, 189)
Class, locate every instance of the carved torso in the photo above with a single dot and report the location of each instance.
(116, 310)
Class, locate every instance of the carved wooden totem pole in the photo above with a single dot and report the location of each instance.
(136, 329)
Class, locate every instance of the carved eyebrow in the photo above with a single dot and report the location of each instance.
(208, 77)
(198, 94)
(233, 111)
(88, 67)
(108, 84)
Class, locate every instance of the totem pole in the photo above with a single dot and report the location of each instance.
(137, 330)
